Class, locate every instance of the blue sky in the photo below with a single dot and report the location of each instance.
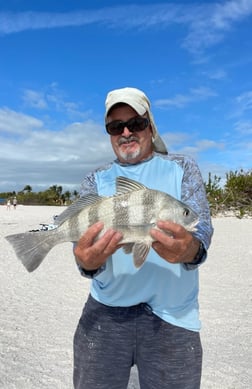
(58, 61)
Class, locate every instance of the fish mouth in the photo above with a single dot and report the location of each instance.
(193, 226)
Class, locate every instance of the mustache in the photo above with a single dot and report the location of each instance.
(123, 139)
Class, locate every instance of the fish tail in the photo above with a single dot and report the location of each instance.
(31, 247)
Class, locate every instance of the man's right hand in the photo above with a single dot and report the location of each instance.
(91, 253)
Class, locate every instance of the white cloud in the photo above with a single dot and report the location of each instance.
(206, 144)
(230, 11)
(17, 123)
(188, 143)
(180, 101)
(242, 105)
(213, 21)
(34, 99)
(53, 98)
(46, 157)
(218, 74)
(245, 102)
(207, 23)
(243, 127)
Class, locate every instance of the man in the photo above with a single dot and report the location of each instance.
(147, 316)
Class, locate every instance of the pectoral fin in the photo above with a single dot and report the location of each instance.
(140, 251)
(128, 248)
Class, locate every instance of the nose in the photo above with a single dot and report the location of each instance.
(126, 132)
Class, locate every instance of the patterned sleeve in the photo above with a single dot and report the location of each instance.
(194, 194)
(88, 185)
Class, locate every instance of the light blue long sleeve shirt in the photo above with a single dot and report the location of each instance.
(171, 290)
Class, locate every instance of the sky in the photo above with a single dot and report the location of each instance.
(58, 61)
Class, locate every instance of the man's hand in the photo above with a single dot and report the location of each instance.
(91, 253)
(174, 243)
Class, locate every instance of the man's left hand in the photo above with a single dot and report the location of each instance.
(174, 243)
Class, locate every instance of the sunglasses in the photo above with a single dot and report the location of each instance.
(135, 124)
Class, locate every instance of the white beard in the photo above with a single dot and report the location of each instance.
(129, 156)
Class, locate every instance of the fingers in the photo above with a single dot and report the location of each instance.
(88, 238)
(170, 228)
(92, 251)
(173, 242)
(107, 243)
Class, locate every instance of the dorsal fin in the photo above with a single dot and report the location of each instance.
(77, 206)
(125, 185)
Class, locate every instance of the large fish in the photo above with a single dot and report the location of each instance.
(134, 210)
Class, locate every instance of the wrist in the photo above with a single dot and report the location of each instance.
(91, 273)
(199, 255)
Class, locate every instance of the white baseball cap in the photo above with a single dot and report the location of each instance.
(136, 99)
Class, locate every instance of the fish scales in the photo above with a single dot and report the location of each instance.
(129, 210)
(74, 225)
(93, 214)
(104, 212)
(137, 211)
(135, 217)
(144, 208)
(121, 211)
(133, 210)
(149, 205)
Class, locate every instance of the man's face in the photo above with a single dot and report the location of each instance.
(130, 147)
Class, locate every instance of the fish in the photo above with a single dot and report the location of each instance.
(133, 210)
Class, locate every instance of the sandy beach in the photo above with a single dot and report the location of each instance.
(40, 310)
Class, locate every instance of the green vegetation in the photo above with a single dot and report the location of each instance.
(52, 196)
(235, 195)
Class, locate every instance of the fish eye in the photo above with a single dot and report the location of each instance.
(186, 212)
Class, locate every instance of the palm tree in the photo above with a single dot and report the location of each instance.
(56, 192)
(27, 188)
(75, 194)
(67, 196)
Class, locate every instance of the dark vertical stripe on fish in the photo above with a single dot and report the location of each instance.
(93, 214)
(121, 210)
(73, 224)
(148, 203)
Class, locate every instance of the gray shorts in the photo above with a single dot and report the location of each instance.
(110, 340)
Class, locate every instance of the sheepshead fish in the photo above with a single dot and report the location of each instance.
(134, 210)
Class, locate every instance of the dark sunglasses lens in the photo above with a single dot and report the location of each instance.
(135, 124)
(115, 128)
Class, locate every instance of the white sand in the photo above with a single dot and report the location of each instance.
(40, 310)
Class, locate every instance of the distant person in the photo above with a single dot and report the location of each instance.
(14, 203)
(148, 316)
(8, 205)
